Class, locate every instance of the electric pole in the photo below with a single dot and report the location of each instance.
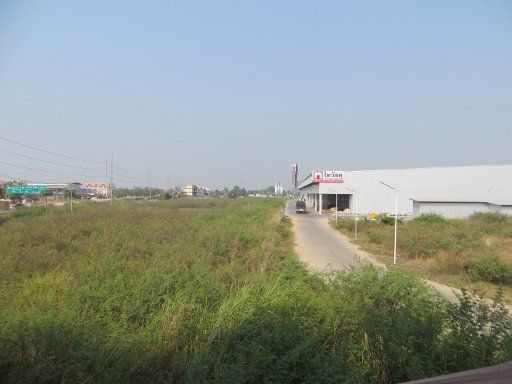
(149, 183)
(112, 181)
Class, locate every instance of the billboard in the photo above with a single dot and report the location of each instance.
(25, 189)
(327, 177)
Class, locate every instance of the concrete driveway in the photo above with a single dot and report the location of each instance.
(324, 249)
(318, 245)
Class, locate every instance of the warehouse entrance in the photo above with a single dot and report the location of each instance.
(329, 201)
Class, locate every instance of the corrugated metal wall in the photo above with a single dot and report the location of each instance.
(452, 209)
(478, 183)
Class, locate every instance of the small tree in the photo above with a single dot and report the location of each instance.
(46, 193)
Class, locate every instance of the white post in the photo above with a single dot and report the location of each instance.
(320, 203)
(396, 225)
(355, 215)
(354, 195)
(336, 213)
(396, 218)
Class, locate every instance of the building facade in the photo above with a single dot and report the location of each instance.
(97, 189)
(373, 191)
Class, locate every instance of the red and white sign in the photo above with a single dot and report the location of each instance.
(327, 177)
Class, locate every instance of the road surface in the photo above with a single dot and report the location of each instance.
(324, 249)
(321, 247)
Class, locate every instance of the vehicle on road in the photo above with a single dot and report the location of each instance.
(300, 206)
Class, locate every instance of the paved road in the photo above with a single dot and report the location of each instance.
(318, 245)
(324, 249)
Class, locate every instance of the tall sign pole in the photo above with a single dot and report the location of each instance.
(295, 172)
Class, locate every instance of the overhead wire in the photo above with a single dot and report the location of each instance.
(45, 170)
(50, 152)
(50, 162)
(117, 174)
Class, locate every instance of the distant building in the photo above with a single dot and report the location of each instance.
(97, 189)
(191, 190)
(203, 191)
(196, 190)
(278, 189)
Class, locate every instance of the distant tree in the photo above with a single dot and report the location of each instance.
(235, 192)
(3, 191)
(166, 195)
(16, 198)
(46, 193)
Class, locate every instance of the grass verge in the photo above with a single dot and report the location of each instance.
(211, 291)
(475, 253)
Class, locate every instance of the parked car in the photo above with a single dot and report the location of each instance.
(300, 206)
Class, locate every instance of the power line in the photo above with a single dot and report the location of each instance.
(50, 162)
(46, 171)
(49, 152)
(138, 173)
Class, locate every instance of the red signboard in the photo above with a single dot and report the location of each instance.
(327, 177)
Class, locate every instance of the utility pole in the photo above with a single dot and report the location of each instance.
(396, 218)
(71, 198)
(112, 181)
(148, 175)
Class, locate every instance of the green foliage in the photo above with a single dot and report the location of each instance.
(478, 333)
(430, 218)
(345, 224)
(488, 222)
(387, 220)
(208, 290)
(25, 212)
(491, 268)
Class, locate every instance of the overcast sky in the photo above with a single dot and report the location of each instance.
(225, 92)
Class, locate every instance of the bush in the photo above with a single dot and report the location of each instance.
(346, 224)
(491, 268)
(25, 212)
(489, 222)
(430, 218)
(387, 220)
(375, 236)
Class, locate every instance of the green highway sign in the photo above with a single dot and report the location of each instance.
(25, 189)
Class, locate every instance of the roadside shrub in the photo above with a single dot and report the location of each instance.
(506, 232)
(478, 333)
(430, 218)
(23, 212)
(489, 222)
(387, 220)
(375, 236)
(346, 224)
(491, 268)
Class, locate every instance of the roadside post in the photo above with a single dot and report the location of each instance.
(355, 211)
(336, 212)
(396, 217)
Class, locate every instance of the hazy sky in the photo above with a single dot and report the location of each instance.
(208, 91)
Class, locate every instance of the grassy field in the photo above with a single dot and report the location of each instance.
(211, 291)
(474, 253)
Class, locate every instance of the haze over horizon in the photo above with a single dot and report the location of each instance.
(225, 93)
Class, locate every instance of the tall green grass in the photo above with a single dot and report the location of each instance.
(459, 244)
(210, 291)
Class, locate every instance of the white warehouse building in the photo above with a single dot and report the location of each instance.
(455, 192)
